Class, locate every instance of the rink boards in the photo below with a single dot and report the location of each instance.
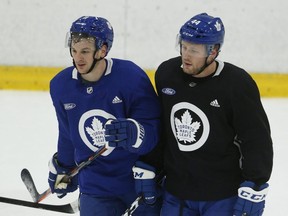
(37, 78)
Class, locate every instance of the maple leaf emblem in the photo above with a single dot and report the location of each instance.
(186, 128)
(217, 26)
(97, 132)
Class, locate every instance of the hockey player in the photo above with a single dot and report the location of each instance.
(94, 94)
(216, 136)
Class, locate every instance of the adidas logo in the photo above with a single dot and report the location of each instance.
(215, 103)
(116, 100)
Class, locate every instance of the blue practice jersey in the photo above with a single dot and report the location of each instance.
(83, 108)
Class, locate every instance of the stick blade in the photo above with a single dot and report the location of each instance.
(29, 183)
(69, 208)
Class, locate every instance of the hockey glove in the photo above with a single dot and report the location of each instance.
(145, 184)
(125, 133)
(250, 202)
(56, 174)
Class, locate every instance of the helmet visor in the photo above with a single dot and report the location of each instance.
(67, 43)
(193, 49)
(77, 37)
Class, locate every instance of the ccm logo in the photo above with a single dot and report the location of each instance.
(251, 195)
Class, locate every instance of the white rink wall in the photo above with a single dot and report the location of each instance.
(33, 31)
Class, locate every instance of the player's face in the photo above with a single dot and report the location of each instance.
(83, 54)
(193, 57)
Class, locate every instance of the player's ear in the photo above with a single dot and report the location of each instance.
(103, 51)
(214, 52)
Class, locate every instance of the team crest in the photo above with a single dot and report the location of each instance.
(96, 132)
(92, 129)
(186, 129)
(189, 125)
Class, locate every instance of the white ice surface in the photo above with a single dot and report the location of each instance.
(28, 134)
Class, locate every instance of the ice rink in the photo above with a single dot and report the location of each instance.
(28, 134)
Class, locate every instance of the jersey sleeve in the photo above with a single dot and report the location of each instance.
(155, 158)
(253, 130)
(145, 108)
(65, 146)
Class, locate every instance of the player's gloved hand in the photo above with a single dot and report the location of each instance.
(251, 201)
(56, 174)
(145, 184)
(126, 133)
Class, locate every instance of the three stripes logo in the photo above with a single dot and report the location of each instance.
(214, 103)
(116, 100)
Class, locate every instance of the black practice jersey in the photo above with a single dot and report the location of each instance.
(215, 131)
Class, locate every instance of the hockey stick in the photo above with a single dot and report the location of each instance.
(69, 208)
(29, 183)
(133, 206)
(139, 199)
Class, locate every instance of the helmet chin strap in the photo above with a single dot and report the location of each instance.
(93, 64)
(203, 67)
(206, 64)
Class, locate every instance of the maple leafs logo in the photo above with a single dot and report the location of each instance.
(97, 132)
(185, 128)
(218, 26)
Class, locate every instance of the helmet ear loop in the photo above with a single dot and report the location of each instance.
(95, 60)
(207, 63)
